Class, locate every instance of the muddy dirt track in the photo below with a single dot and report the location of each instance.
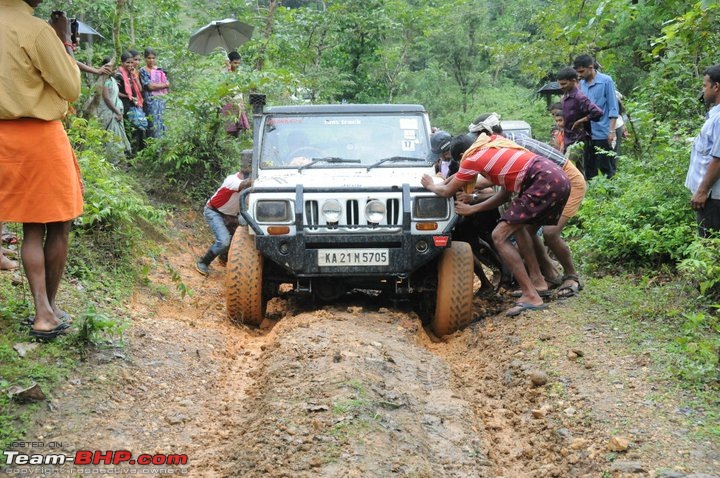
(362, 389)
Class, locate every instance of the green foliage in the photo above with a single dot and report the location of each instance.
(701, 266)
(697, 348)
(175, 276)
(99, 328)
(116, 215)
(45, 365)
(640, 217)
(195, 152)
(661, 317)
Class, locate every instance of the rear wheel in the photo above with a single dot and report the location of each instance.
(454, 309)
(243, 280)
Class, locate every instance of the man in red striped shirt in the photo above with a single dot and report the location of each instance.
(542, 187)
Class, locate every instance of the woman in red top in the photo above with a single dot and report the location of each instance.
(132, 99)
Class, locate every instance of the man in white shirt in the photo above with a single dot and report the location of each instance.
(703, 177)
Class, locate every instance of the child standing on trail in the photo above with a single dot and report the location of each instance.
(221, 213)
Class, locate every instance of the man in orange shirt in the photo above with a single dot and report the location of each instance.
(41, 185)
(542, 187)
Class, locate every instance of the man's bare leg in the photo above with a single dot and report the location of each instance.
(547, 267)
(554, 240)
(56, 251)
(524, 238)
(511, 257)
(33, 259)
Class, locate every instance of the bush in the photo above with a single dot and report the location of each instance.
(701, 266)
(116, 213)
(640, 217)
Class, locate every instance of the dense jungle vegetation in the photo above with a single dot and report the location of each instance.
(458, 58)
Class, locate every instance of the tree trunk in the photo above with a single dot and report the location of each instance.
(90, 106)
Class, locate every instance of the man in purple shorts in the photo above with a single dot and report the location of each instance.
(542, 187)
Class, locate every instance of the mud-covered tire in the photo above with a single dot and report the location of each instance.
(243, 280)
(454, 308)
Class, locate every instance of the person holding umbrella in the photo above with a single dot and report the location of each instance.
(235, 108)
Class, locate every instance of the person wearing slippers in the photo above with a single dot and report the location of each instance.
(543, 189)
(41, 183)
(570, 282)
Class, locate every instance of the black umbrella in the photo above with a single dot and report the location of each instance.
(549, 89)
(552, 88)
(86, 32)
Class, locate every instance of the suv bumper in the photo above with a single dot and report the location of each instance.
(298, 254)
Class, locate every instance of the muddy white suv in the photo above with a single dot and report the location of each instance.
(336, 204)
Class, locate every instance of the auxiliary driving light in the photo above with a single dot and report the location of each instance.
(331, 211)
(375, 211)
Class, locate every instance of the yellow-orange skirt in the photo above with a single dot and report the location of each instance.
(39, 175)
(577, 189)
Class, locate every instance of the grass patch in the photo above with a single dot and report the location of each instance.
(92, 293)
(664, 318)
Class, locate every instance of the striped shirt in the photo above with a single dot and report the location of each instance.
(37, 76)
(504, 167)
(538, 147)
(227, 198)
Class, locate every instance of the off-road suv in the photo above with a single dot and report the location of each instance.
(336, 204)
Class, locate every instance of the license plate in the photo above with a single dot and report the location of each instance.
(353, 257)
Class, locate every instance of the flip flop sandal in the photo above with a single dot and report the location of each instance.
(554, 282)
(542, 293)
(45, 335)
(568, 291)
(574, 277)
(521, 307)
(9, 238)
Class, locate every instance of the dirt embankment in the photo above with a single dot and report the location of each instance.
(361, 389)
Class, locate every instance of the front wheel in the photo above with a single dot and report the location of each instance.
(453, 308)
(243, 280)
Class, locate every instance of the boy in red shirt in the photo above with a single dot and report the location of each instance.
(221, 213)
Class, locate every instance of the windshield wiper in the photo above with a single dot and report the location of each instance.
(327, 160)
(394, 158)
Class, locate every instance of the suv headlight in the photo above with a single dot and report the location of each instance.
(272, 211)
(430, 207)
(375, 211)
(331, 211)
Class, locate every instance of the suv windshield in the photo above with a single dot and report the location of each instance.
(292, 141)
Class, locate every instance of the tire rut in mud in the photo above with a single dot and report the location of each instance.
(347, 394)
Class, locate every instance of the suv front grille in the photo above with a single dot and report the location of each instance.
(353, 215)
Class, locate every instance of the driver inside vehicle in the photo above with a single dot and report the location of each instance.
(299, 150)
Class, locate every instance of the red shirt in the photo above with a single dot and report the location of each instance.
(504, 167)
(226, 198)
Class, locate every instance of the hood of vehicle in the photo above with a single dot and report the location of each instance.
(344, 178)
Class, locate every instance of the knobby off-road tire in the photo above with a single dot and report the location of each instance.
(453, 308)
(243, 280)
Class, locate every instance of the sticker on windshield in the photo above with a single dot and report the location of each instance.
(343, 121)
(408, 145)
(408, 123)
(410, 134)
